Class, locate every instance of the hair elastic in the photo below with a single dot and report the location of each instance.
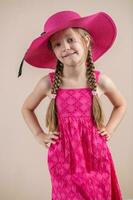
(94, 93)
(52, 96)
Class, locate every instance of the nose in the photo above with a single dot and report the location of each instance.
(65, 46)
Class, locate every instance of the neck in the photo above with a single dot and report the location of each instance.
(76, 72)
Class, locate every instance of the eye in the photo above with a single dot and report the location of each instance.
(70, 39)
(57, 44)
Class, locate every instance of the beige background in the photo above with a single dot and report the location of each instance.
(24, 172)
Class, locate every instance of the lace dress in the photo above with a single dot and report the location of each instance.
(80, 162)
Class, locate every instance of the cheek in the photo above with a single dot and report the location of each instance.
(79, 47)
(80, 50)
(56, 53)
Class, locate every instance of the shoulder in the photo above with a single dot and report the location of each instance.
(111, 91)
(43, 84)
(40, 91)
(48, 79)
(106, 83)
(103, 79)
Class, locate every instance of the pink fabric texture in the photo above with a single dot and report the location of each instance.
(80, 163)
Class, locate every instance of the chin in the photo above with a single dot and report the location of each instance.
(76, 61)
(72, 63)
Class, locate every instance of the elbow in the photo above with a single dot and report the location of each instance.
(25, 109)
(124, 110)
(24, 112)
(124, 107)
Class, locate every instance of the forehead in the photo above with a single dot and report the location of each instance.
(64, 33)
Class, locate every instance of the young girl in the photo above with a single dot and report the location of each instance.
(79, 159)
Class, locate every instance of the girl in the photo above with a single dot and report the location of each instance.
(79, 159)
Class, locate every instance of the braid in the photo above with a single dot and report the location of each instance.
(90, 72)
(57, 77)
(91, 80)
(97, 112)
(51, 115)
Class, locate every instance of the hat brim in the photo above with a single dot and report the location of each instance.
(100, 26)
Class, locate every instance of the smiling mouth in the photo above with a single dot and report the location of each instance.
(70, 54)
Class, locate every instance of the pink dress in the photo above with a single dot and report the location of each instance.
(80, 162)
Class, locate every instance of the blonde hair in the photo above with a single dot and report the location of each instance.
(98, 115)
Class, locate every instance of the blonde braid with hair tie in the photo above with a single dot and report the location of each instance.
(91, 78)
(51, 115)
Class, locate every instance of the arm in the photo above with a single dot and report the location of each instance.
(118, 101)
(32, 101)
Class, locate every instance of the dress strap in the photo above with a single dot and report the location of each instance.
(97, 74)
(51, 77)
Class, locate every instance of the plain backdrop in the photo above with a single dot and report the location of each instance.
(24, 171)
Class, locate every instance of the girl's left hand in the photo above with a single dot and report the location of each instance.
(104, 132)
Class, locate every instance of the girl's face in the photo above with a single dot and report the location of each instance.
(68, 47)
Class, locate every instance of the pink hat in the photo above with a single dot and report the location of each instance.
(100, 26)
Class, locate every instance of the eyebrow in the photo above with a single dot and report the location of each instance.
(66, 35)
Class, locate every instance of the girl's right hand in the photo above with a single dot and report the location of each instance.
(46, 139)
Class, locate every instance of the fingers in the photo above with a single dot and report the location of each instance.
(54, 136)
(108, 136)
(51, 137)
(53, 133)
(104, 132)
(46, 145)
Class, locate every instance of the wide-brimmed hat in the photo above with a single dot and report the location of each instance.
(100, 26)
